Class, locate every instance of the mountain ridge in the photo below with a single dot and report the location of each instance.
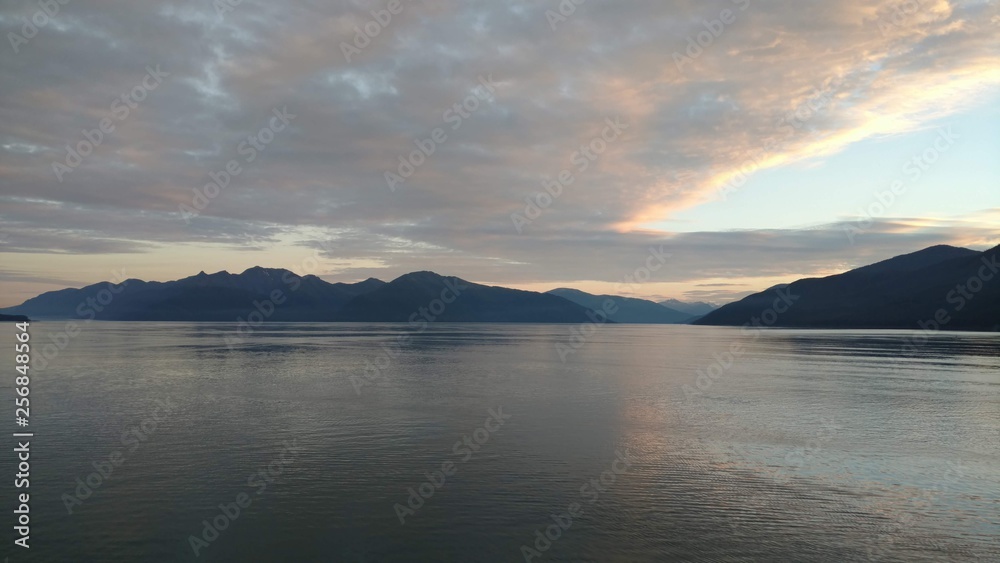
(411, 298)
(903, 292)
(942, 285)
(227, 297)
(221, 297)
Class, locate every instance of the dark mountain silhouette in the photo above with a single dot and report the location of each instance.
(956, 288)
(220, 297)
(406, 299)
(630, 310)
(225, 297)
(695, 308)
(13, 319)
(907, 291)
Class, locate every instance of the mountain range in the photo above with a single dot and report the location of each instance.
(943, 286)
(204, 297)
(283, 296)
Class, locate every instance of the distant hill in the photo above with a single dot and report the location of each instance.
(896, 293)
(13, 319)
(695, 309)
(630, 310)
(411, 294)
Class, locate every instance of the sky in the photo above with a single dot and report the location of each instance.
(730, 144)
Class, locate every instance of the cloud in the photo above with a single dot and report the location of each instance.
(16, 276)
(748, 98)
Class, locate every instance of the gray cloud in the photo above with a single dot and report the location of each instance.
(689, 128)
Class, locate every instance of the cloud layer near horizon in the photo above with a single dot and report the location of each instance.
(783, 82)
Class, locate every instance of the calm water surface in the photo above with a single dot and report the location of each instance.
(807, 446)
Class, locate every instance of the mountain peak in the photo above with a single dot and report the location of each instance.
(421, 276)
(939, 247)
(914, 261)
(568, 290)
(452, 299)
(266, 272)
